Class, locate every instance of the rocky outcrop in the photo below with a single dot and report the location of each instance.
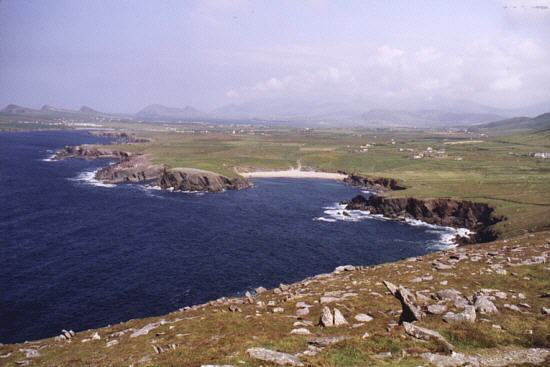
(477, 217)
(89, 152)
(410, 310)
(135, 168)
(191, 179)
(375, 183)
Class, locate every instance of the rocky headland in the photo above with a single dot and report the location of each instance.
(139, 168)
(477, 217)
(89, 152)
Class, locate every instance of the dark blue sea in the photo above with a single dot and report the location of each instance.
(77, 255)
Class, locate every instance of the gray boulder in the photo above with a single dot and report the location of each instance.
(468, 315)
(266, 355)
(410, 310)
(483, 304)
(426, 334)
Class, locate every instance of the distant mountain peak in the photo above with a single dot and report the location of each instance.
(161, 111)
(89, 110)
(13, 109)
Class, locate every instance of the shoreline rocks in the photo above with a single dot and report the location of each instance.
(89, 152)
(477, 217)
(191, 179)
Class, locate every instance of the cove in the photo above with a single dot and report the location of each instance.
(77, 255)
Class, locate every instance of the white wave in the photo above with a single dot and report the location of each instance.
(50, 158)
(447, 235)
(151, 187)
(323, 219)
(88, 178)
(158, 188)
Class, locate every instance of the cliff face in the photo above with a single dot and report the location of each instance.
(377, 183)
(132, 168)
(190, 179)
(477, 217)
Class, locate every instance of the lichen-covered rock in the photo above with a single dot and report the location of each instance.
(410, 310)
(468, 315)
(426, 334)
(339, 319)
(279, 358)
(327, 318)
(436, 309)
(483, 304)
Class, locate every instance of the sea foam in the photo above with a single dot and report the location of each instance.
(88, 178)
(447, 235)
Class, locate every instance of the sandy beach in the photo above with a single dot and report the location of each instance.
(293, 173)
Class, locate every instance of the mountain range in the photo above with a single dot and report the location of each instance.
(440, 113)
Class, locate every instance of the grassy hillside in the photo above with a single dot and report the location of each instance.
(518, 124)
(222, 331)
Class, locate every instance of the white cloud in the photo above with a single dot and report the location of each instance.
(268, 85)
(502, 71)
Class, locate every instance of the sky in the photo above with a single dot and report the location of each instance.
(120, 56)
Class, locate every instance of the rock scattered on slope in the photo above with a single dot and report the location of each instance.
(339, 319)
(362, 317)
(325, 341)
(468, 315)
(327, 318)
(279, 358)
(410, 311)
(484, 305)
(499, 358)
(426, 334)
(436, 309)
(145, 330)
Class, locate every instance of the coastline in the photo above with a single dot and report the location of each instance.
(138, 168)
(448, 235)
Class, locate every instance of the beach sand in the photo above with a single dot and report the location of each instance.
(293, 173)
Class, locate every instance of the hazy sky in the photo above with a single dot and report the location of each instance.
(122, 55)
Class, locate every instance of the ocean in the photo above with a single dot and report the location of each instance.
(78, 254)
